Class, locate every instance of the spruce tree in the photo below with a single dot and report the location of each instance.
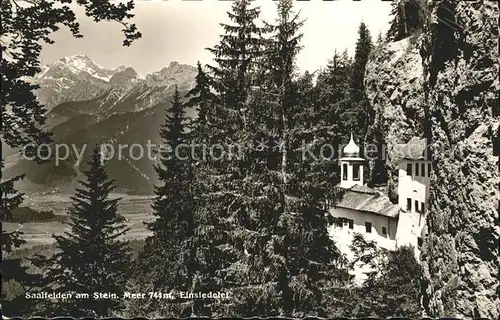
(407, 17)
(284, 254)
(166, 265)
(334, 96)
(222, 200)
(202, 99)
(396, 27)
(333, 83)
(364, 47)
(90, 257)
(380, 40)
(258, 273)
(236, 57)
(203, 134)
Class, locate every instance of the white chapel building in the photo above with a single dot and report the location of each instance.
(370, 212)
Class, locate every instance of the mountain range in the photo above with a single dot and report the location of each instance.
(89, 105)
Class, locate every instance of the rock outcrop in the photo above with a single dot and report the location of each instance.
(460, 254)
(443, 85)
(393, 82)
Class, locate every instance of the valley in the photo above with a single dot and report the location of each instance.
(88, 106)
(136, 209)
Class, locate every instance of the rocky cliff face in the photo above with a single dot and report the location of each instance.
(460, 256)
(443, 85)
(393, 82)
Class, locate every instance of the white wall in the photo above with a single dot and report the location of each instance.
(412, 186)
(416, 188)
(408, 229)
(350, 177)
(343, 235)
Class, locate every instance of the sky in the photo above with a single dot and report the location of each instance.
(177, 30)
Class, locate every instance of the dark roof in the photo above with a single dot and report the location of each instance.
(362, 198)
(415, 149)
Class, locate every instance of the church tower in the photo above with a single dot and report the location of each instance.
(351, 166)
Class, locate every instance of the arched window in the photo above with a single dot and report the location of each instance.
(344, 171)
(355, 173)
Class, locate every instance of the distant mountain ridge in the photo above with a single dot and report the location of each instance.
(73, 79)
(90, 105)
(79, 78)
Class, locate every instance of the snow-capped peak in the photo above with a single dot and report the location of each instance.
(81, 63)
(77, 59)
(76, 65)
(78, 78)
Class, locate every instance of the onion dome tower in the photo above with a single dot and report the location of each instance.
(351, 166)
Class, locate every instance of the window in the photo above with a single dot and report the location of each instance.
(423, 170)
(339, 222)
(428, 169)
(420, 241)
(409, 169)
(351, 224)
(416, 170)
(408, 205)
(368, 226)
(355, 173)
(422, 211)
(384, 231)
(416, 206)
(344, 171)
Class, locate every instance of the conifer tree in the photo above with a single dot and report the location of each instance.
(236, 57)
(166, 265)
(363, 48)
(407, 17)
(396, 27)
(258, 274)
(284, 254)
(222, 200)
(203, 134)
(359, 102)
(380, 40)
(333, 87)
(313, 259)
(203, 100)
(11, 200)
(90, 257)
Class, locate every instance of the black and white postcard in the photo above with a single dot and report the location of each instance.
(250, 158)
